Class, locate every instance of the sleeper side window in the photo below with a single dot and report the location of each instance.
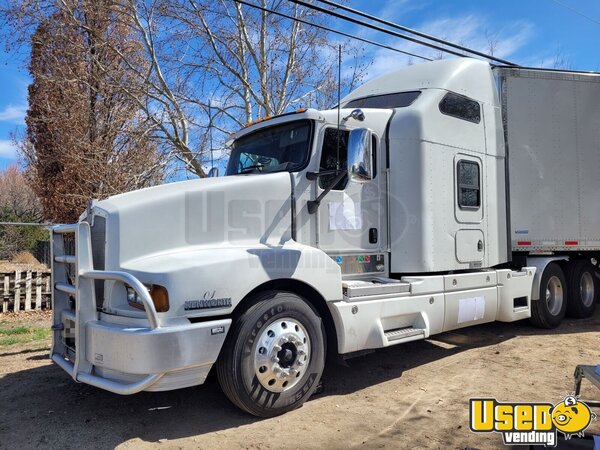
(396, 100)
(461, 107)
(469, 184)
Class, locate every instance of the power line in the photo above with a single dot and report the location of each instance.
(341, 33)
(410, 30)
(591, 19)
(375, 27)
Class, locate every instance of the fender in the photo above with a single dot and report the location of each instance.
(540, 263)
(195, 276)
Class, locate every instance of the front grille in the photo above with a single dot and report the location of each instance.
(69, 269)
(98, 231)
(98, 237)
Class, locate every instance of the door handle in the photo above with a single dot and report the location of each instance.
(480, 246)
(372, 235)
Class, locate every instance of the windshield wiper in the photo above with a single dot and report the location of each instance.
(251, 168)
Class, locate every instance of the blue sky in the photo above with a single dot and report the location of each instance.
(527, 32)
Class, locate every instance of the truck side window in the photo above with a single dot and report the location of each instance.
(461, 107)
(469, 185)
(329, 157)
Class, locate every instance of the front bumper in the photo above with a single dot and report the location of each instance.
(123, 358)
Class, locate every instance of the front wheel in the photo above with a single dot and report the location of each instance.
(274, 355)
(549, 310)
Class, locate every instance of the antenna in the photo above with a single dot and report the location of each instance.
(339, 95)
(212, 161)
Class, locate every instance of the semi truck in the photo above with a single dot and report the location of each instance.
(439, 196)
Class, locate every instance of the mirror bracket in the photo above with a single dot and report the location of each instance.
(313, 205)
(315, 175)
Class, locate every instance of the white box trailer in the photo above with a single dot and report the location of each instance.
(552, 126)
(552, 132)
(449, 194)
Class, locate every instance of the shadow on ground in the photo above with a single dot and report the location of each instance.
(44, 407)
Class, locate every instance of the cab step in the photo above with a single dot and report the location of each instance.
(404, 333)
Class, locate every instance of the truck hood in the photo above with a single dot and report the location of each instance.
(242, 210)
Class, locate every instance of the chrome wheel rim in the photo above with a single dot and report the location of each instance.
(281, 355)
(554, 295)
(586, 289)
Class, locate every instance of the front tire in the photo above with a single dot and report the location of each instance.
(549, 310)
(274, 355)
(583, 288)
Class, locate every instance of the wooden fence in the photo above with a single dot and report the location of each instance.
(25, 290)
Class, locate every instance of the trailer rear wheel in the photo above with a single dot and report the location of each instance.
(583, 289)
(549, 310)
(274, 355)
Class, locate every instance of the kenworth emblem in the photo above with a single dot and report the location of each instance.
(208, 301)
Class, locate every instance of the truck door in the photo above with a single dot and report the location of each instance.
(350, 216)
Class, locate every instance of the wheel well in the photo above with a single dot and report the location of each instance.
(310, 294)
(540, 263)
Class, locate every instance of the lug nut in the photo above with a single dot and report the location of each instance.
(276, 348)
(276, 369)
(301, 352)
(293, 372)
(300, 362)
(275, 359)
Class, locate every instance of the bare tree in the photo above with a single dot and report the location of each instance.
(18, 203)
(212, 64)
(492, 41)
(560, 61)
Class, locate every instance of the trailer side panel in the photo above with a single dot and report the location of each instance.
(552, 121)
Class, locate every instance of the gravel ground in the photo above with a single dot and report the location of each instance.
(410, 396)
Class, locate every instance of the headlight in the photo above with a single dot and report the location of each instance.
(159, 295)
(133, 298)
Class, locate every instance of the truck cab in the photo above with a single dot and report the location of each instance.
(376, 223)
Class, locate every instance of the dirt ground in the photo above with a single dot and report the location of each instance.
(409, 396)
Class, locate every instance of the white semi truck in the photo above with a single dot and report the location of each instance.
(440, 196)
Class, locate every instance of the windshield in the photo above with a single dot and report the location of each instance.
(279, 148)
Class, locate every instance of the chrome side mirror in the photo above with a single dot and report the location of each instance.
(213, 172)
(360, 155)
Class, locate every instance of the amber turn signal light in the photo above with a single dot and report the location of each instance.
(159, 295)
(160, 298)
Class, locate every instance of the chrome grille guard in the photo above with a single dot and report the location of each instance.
(82, 291)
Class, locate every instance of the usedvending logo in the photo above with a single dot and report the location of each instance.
(208, 301)
(530, 423)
